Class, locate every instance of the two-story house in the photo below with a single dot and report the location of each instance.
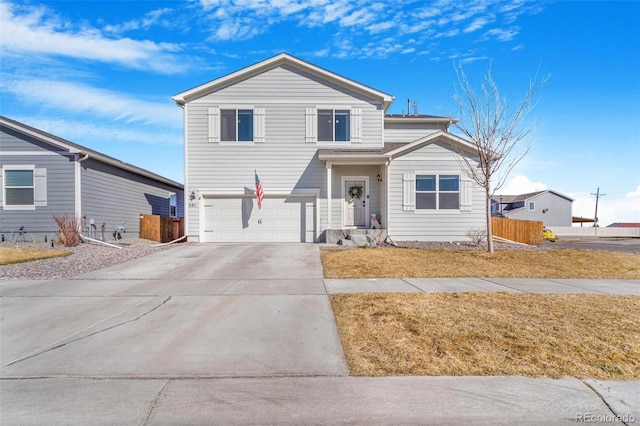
(328, 157)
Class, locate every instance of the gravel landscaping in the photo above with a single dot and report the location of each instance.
(84, 258)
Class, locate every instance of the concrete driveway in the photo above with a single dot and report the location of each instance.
(244, 334)
(191, 311)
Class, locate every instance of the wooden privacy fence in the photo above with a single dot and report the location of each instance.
(161, 228)
(522, 231)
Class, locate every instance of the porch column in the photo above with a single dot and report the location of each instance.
(329, 166)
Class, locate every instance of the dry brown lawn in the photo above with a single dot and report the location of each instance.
(385, 262)
(454, 334)
(19, 255)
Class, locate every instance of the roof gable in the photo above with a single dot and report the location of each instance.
(279, 60)
(439, 135)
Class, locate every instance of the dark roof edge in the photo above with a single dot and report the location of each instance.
(75, 148)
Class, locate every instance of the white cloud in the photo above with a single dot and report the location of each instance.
(501, 34)
(633, 194)
(521, 184)
(90, 134)
(244, 19)
(38, 31)
(78, 98)
(610, 209)
(477, 24)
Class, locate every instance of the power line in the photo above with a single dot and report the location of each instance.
(597, 195)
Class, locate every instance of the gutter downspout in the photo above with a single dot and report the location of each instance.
(78, 184)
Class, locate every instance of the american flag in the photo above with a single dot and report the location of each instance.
(259, 192)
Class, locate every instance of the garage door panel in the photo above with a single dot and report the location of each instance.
(281, 219)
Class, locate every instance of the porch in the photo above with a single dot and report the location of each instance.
(333, 236)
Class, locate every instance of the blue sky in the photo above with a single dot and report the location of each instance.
(102, 74)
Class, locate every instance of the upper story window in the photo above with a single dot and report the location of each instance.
(532, 205)
(325, 125)
(437, 192)
(236, 125)
(334, 125)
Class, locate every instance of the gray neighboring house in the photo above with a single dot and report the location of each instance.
(42, 175)
(549, 207)
(328, 157)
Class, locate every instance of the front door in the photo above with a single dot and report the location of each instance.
(355, 203)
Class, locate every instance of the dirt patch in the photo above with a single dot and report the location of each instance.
(480, 334)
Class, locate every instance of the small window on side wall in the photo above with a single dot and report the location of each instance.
(173, 205)
(19, 187)
(532, 206)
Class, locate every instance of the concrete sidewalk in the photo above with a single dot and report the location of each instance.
(511, 285)
(237, 334)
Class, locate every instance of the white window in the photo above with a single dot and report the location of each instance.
(532, 206)
(334, 125)
(424, 192)
(236, 124)
(437, 192)
(23, 187)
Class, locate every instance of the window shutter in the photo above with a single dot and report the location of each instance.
(466, 193)
(311, 135)
(409, 192)
(40, 191)
(258, 125)
(356, 125)
(213, 115)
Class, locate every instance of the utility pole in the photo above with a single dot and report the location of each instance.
(595, 217)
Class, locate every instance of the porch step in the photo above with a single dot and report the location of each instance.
(332, 236)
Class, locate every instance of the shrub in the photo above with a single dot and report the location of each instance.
(69, 227)
(477, 236)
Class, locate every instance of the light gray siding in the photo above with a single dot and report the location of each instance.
(435, 158)
(21, 150)
(284, 162)
(550, 209)
(111, 195)
(408, 132)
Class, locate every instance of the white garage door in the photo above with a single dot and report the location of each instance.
(281, 219)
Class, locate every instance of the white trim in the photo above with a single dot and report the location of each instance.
(185, 194)
(437, 192)
(343, 180)
(40, 136)
(77, 187)
(273, 62)
(34, 153)
(329, 167)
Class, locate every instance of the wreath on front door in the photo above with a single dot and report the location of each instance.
(355, 191)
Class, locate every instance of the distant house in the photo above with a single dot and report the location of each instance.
(624, 225)
(42, 175)
(328, 157)
(549, 207)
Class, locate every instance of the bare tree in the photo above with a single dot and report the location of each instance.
(496, 128)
